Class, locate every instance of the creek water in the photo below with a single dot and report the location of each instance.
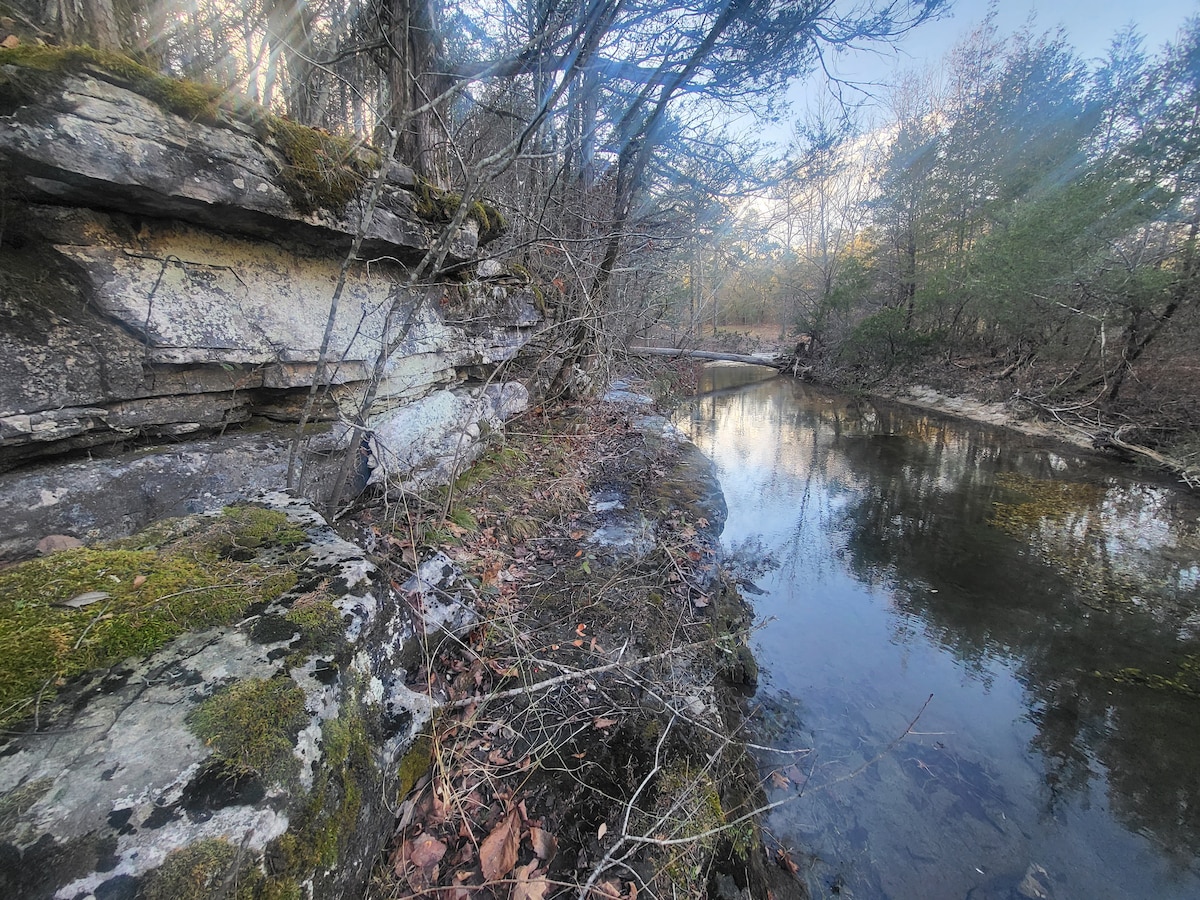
(1050, 604)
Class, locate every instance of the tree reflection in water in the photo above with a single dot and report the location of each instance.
(1081, 582)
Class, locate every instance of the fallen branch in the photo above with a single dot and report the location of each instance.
(773, 363)
(1188, 474)
(432, 705)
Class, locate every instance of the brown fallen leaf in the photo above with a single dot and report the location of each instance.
(139, 581)
(606, 890)
(778, 780)
(498, 852)
(784, 859)
(528, 887)
(601, 831)
(545, 845)
(601, 723)
(794, 774)
(425, 850)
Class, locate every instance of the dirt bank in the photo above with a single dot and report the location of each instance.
(1011, 414)
(585, 744)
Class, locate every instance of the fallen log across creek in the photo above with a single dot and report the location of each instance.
(783, 362)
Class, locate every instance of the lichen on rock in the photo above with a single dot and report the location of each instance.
(181, 575)
(277, 741)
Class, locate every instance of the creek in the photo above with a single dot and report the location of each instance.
(1048, 601)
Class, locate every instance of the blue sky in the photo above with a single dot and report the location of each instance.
(1090, 25)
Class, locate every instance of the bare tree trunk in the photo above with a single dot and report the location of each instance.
(91, 22)
(414, 48)
(1181, 291)
(289, 29)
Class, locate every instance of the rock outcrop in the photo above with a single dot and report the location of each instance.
(124, 791)
(160, 282)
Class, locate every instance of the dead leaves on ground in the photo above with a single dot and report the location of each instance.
(498, 852)
(466, 832)
(459, 866)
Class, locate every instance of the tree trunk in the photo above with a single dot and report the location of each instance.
(909, 285)
(91, 22)
(289, 32)
(1181, 291)
(414, 48)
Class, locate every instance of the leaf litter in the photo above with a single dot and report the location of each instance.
(526, 787)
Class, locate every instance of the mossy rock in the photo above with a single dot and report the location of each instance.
(322, 171)
(251, 726)
(196, 872)
(317, 837)
(417, 762)
(439, 206)
(133, 596)
(193, 100)
(321, 624)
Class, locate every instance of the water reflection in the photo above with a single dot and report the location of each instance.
(1049, 603)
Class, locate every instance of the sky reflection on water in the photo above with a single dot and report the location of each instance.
(1048, 603)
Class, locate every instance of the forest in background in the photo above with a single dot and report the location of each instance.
(1020, 222)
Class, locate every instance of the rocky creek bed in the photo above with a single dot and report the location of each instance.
(527, 684)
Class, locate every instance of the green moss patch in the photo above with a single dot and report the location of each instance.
(178, 576)
(191, 99)
(321, 625)
(688, 800)
(252, 725)
(197, 872)
(328, 819)
(416, 764)
(437, 205)
(324, 171)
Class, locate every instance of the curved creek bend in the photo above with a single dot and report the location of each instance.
(1049, 602)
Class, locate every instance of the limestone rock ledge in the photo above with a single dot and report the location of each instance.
(116, 791)
(94, 142)
(158, 286)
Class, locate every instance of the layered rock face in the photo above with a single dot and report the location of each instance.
(164, 302)
(159, 283)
